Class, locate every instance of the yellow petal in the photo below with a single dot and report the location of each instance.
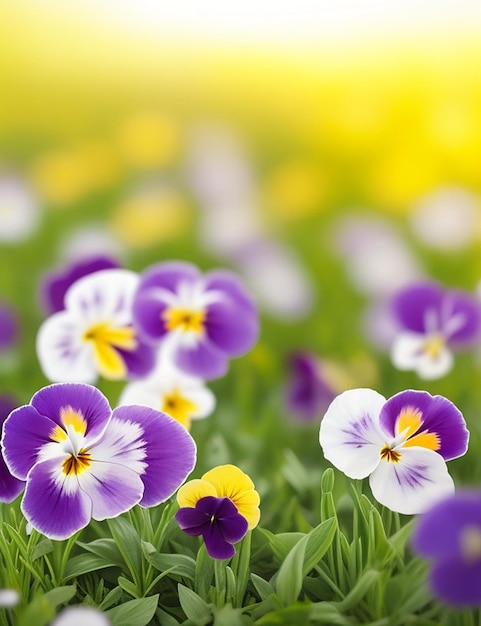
(109, 362)
(190, 493)
(231, 482)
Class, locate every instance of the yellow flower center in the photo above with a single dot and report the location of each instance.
(105, 339)
(179, 407)
(470, 541)
(434, 345)
(184, 319)
(76, 464)
(389, 455)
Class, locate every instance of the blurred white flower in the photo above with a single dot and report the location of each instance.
(447, 219)
(183, 397)
(278, 279)
(89, 240)
(377, 259)
(19, 209)
(80, 616)
(9, 598)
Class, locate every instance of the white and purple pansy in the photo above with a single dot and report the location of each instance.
(432, 322)
(402, 444)
(94, 334)
(201, 321)
(81, 460)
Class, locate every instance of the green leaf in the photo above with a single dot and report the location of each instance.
(328, 613)
(128, 586)
(362, 586)
(85, 563)
(60, 595)
(193, 605)
(42, 548)
(302, 559)
(282, 543)
(113, 597)
(179, 564)
(240, 566)
(327, 480)
(39, 612)
(128, 543)
(134, 612)
(263, 588)
(204, 572)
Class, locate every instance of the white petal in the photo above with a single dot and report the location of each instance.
(79, 616)
(63, 356)
(414, 484)
(121, 443)
(9, 598)
(350, 436)
(408, 353)
(103, 296)
(203, 398)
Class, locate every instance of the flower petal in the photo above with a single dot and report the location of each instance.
(84, 399)
(410, 486)
(230, 284)
(168, 275)
(350, 436)
(140, 361)
(103, 296)
(112, 488)
(25, 432)
(147, 313)
(53, 503)
(438, 415)
(231, 328)
(62, 355)
(170, 452)
(192, 521)
(190, 493)
(232, 524)
(408, 352)
(203, 360)
(438, 532)
(411, 304)
(217, 547)
(456, 582)
(231, 482)
(466, 308)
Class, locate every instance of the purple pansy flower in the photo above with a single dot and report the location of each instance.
(94, 334)
(55, 285)
(10, 486)
(433, 321)
(81, 460)
(449, 535)
(308, 391)
(219, 523)
(9, 327)
(201, 320)
(402, 444)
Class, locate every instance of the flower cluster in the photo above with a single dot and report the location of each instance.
(166, 330)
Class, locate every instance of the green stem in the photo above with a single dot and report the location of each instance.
(220, 581)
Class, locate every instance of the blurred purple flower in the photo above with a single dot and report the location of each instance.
(201, 321)
(9, 326)
(308, 392)
(449, 535)
(433, 321)
(10, 486)
(219, 523)
(55, 284)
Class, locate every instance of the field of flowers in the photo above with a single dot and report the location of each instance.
(240, 331)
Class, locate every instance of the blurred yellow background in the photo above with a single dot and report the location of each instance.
(375, 101)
